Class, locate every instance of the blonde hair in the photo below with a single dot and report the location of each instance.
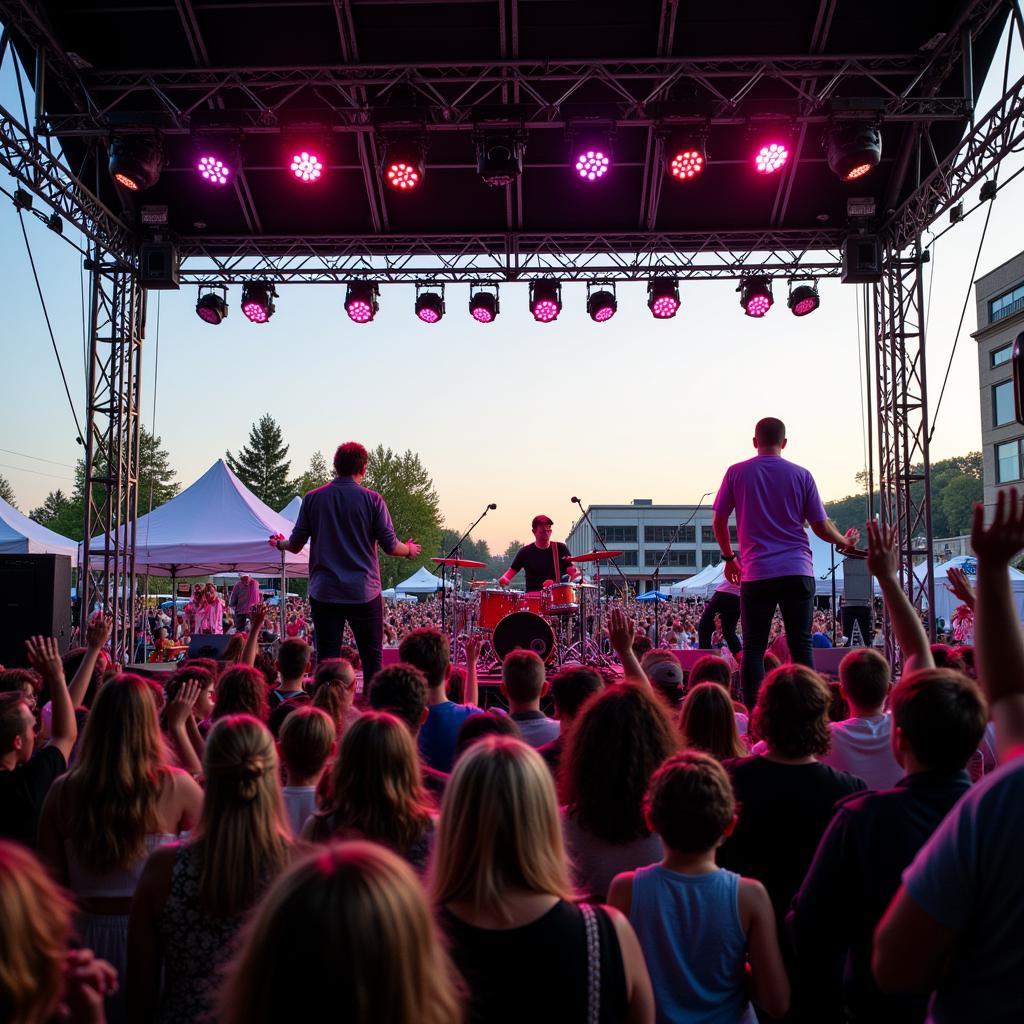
(376, 784)
(499, 828)
(348, 927)
(243, 829)
(113, 791)
(35, 921)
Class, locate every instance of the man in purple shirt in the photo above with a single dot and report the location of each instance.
(772, 499)
(344, 523)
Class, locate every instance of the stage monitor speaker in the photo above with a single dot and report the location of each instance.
(159, 266)
(208, 645)
(35, 600)
(856, 583)
(862, 259)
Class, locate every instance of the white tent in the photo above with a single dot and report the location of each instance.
(217, 524)
(694, 585)
(20, 535)
(422, 581)
(946, 602)
(291, 510)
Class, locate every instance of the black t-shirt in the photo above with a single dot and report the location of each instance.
(539, 565)
(22, 792)
(784, 810)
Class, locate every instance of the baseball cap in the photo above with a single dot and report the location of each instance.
(665, 674)
(537, 520)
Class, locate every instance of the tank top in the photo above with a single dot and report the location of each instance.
(495, 961)
(117, 884)
(689, 929)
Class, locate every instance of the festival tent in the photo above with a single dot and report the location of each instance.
(291, 510)
(682, 588)
(654, 595)
(217, 524)
(422, 581)
(946, 601)
(20, 535)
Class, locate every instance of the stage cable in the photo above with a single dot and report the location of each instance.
(862, 394)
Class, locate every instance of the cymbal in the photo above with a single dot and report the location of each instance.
(462, 563)
(482, 583)
(595, 556)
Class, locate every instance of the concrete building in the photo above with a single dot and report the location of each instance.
(642, 531)
(1000, 300)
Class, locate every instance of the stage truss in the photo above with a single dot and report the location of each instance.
(539, 89)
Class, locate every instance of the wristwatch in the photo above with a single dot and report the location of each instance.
(729, 558)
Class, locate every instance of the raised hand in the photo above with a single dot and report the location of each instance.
(44, 657)
(473, 645)
(621, 630)
(179, 709)
(97, 633)
(883, 558)
(258, 615)
(960, 586)
(998, 543)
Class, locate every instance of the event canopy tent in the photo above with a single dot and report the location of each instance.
(20, 535)
(422, 581)
(217, 524)
(291, 510)
(946, 601)
(693, 586)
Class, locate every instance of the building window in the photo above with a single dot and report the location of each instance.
(732, 535)
(618, 534)
(1002, 403)
(1006, 305)
(710, 557)
(663, 534)
(1002, 355)
(626, 558)
(1007, 462)
(707, 535)
(674, 559)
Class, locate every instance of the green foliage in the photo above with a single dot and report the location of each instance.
(406, 486)
(155, 472)
(318, 474)
(261, 464)
(54, 510)
(7, 491)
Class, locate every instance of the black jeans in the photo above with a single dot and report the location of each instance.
(861, 614)
(367, 622)
(727, 608)
(794, 596)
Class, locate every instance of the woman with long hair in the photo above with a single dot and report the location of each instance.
(500, 878)
(241, 690)
(122, 800)
(192, 899)
(347, 927)
(707, 722)
(619, 739)
(334, 691)
(376, 791)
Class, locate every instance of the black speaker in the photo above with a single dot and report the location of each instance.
(35, 600)
(862, 259)
(208, 645)
(159, 266)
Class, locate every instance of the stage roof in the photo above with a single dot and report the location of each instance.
(347, 75)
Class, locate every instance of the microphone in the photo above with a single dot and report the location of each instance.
(574, 499)
(492, 505)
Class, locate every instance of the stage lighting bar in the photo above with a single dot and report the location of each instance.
(404, 166)
(803, 298)
(215, 159)
(484, 305)
(545, 300)
(361, 301)
(590, 152)
(685, 158)
(499, 158)
(212, 307)
(756, 295)
(258, 301)
(306, 165)
(430, 305)
(135, 161)
(663, 297)
(854, 148)
(770, 147)
(601, 301)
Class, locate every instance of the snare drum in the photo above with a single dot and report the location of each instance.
(533, 602)
(495, 604)
(561, 599)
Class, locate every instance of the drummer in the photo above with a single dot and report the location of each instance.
(542, 561)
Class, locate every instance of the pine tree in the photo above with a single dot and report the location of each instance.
(7, 491)
(261, 464)
(52, 509)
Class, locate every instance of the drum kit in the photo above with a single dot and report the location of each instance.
(551, 622)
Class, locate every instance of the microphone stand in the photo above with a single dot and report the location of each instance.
(661, 562)
(452, 554)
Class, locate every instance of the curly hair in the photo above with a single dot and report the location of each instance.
(402, 690)
(791, 714)
(690, 801)
(618, 739)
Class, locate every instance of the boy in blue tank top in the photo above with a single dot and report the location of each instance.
(700, 926)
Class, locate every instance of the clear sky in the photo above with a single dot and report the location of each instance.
(518, 413)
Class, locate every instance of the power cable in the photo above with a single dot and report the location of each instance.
(35, 472)
(37, 458)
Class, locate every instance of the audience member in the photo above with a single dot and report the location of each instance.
(487, 723)
(292, 663)
(523, 684)
(665, 674)
(707, 722)
(307, 741)
(241, 690)
(334, 691)
(571, 686)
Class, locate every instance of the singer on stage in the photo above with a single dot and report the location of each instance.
(542, 561)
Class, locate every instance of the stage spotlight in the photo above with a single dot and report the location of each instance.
(213, 170)
(803, 299)
(499, 159)
(854, 148)
(545, 300)
(404, 167)
(307, 166)
(361, 301)
(484, 306)
(755, 295)
(430, 306)
(601, 305)
(258, 301)
(212, 307)
(685, 158)
(592, 162)
(135, 161)
(770, 156)
(663, 297)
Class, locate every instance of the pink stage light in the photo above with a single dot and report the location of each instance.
(686, 165)
(307, 167)
(771, 157)
(592, 164)
(604, 313)
(403, 176)
(545, 311)
(255, 311)
(858, 172)
(213, 170)
(482, 315)
(483, 306)
(359, 311)
(758, 305)
(665, 307)
(805, 306)
(428, 316)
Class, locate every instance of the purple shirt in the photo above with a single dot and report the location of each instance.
(773, 499)
(344, 523)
